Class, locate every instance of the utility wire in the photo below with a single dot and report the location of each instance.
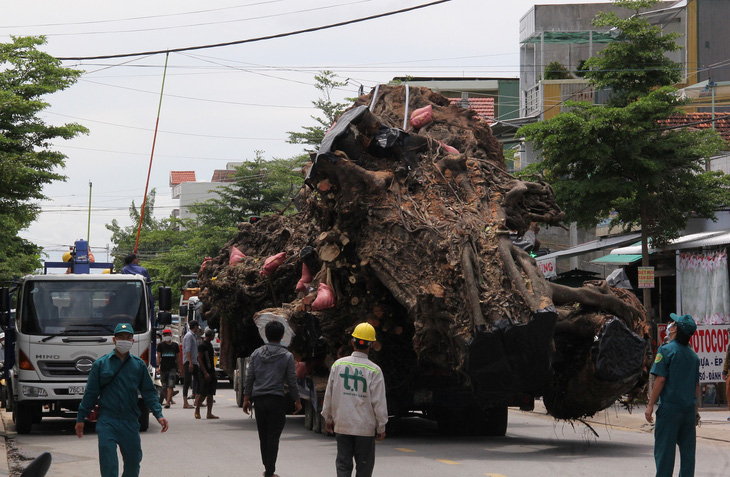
(262, 38)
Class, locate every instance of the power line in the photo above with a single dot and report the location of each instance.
(142, 18)
(262, 38)
(273, 15)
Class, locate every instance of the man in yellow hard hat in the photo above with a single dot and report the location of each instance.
(355, 408)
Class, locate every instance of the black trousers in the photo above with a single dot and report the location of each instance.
(191, 379)
(360, 448)
(270, 418)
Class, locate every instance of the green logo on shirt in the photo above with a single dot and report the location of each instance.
(356, 378)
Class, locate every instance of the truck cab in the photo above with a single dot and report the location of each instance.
(62, 324)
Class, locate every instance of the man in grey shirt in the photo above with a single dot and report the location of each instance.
(271, 366)
(190, 362)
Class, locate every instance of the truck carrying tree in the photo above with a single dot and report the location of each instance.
(406, 224)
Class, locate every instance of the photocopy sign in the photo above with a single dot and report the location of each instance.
(547, 267)
(710, 343)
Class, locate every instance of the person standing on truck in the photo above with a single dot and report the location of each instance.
(168, 353)
(355, 407)
(677, 387)
(207, 381)
(132, 267)
(190, 363)
(114, 382)
(270, 368)
(193, 282)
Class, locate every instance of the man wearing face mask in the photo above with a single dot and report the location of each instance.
(167, 364)
(114, 381)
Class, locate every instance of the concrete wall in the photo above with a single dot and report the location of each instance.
(192, 192)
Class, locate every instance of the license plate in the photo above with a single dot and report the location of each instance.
(76, 389)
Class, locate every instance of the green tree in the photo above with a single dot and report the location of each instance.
(621, 157)
(28, 162)
(636, 64)
(556, 71)
(325, 82)
(259, 187)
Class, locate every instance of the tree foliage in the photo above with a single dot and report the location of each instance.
(602, 159)
(165, 249)
(28, 162)
(636, 64)
(259, 187)
(557, 71)
(325, 82)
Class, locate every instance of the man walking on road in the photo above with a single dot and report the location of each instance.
(355, 408)
(167, 364)
(207, 381)
(114, 381)
(271, 367)
(677, 387)
(190, 362)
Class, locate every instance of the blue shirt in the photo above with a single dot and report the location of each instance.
(680, 366)
(119, 397)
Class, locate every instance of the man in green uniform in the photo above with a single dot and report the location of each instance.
(113, 382)
(677, 387)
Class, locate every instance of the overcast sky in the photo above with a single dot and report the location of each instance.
(222, 104)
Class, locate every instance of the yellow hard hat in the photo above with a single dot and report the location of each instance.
(106, 270)
(364, 331)
(66, 256)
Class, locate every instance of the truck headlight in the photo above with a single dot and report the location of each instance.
(32, 391)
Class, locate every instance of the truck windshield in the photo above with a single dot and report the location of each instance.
(82, 308)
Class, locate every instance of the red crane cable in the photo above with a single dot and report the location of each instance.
(149, 171)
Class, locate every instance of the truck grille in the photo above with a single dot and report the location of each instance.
(64, 368)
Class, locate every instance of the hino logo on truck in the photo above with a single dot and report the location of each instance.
(47, 356)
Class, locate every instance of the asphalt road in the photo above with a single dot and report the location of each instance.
(535, 445)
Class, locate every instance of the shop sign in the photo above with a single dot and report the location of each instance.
(547, 267)
(646, 277)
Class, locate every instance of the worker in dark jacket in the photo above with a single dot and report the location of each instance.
(270, 368)
(677, 387)
(114, 382)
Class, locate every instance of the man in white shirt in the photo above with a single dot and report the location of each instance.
(355, 407)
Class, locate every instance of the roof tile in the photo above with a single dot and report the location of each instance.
(482, 106)
(178, 177)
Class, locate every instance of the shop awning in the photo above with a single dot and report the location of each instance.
(617, 259)
(594, 245)
(698, 240)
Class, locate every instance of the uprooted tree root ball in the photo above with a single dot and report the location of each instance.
(409, 230)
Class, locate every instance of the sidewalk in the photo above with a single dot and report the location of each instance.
(715, 425)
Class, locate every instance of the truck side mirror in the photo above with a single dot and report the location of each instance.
(183, 310)
(4, 307)
(164, 318)
(165, 298)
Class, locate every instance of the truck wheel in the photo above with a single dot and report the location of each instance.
(308, 414)
(495, 422)
(23, 418)
(238, 380)
(37, 414)
(144, 417)
(11, 399)
(317, 425)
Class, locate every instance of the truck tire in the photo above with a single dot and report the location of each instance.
(308, 414)
(144, 417)
(3, 397)
(495, 422)
(238, 380)
(23, 418)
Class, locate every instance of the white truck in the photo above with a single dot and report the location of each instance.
(62, 324)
